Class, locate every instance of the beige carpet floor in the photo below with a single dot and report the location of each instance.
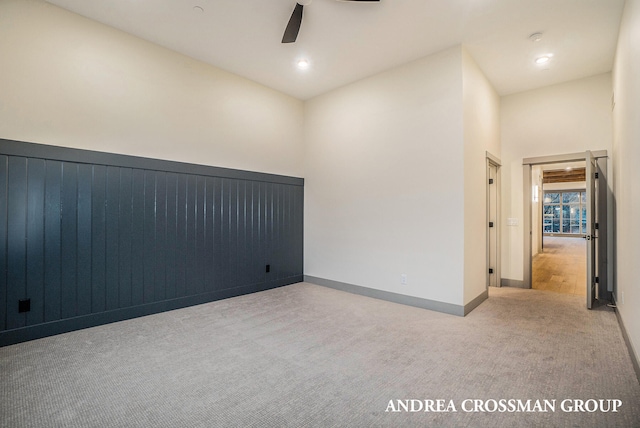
(309, 356)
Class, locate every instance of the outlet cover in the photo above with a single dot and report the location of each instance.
(24, 305)
(403, 279)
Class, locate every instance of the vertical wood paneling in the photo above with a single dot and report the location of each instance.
(271, 246)
(216, 216)
(172, 230)
(4, 180)
(199, 235)
(112, 248)
(233, 234)
(282, 234)
(80, 239)
(298, 221)
(52, 228)
(181, 237)
(35, 240)
(277, 236)
(125, 232)
(208, 256)
(256, 230)
(284, 231)
(292, 249)
(191, 277)
(98, 239)
(161, 237)
(225, 233)
(68, 240)
(85, 173)
(242, 259)
(137, 237)
(149, 233)
(265, 255)
(17, 240)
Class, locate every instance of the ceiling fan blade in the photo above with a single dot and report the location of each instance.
(293, 27)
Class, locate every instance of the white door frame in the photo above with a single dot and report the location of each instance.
(493, 161)
(527, 163)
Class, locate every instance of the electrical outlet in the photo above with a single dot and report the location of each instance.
(24, 305)
(403, 279)
(267, 268)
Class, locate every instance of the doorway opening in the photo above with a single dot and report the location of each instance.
(567, 211)
(559, 223)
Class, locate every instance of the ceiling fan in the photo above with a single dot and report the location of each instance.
(293, 27)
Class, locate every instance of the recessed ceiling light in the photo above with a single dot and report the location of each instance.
(542, 60)
(303, 64)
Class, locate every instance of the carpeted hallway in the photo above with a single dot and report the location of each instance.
(305, 355)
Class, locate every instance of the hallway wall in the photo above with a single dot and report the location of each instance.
(626, 158)
(481, 124)
(384, 181)
(567, 118)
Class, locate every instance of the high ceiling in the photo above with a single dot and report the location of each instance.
(347, 41)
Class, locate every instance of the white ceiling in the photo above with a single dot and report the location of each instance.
(347, 41)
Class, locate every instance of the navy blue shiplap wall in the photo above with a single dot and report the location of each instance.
(92, 237)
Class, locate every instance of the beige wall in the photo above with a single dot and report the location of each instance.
(626, 158)
(396, 179)
(384, 181)
(481, 106)
(567, 118)
(69, 81)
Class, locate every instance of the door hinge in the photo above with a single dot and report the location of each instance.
(490, 271)
(490, 224)
(596, 226)
(597, 280)
(596, 175)
(491, 181)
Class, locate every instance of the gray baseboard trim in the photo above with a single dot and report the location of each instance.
(476, 302)
(417, 302)
(505, 282)
(632, 354)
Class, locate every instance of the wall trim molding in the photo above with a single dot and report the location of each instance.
(627, 341)
(45, 151)
(38, 331)
(569, 157)
(517, 283)
(476, 302)
(402, 299)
